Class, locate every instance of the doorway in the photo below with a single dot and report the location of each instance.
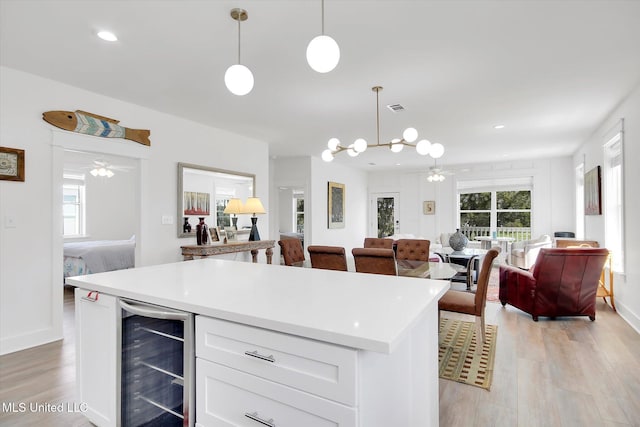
(385, 215)
(61, 144)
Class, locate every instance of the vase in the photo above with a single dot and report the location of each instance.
(186, 227)
(458, 241)
(202, 233)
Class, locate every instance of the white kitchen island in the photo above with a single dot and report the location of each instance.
(350, 349)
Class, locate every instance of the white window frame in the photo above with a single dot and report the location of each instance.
(77, 182)
(613, 196)
(580, 201)
(296, 213)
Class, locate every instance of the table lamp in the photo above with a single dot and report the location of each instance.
(254, 206)
(234, 207)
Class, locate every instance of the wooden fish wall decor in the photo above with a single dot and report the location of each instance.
(92, 124)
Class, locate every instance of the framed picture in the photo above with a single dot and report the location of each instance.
(429, 207)
(336, 205)
(231, 233)
(592, 192)
(196, 203)
(215, 237)
(11, 164)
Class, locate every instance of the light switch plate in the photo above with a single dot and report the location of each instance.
(167, 220)
(10, 221)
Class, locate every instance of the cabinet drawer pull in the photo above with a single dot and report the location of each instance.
(260, 356)
(254, 416)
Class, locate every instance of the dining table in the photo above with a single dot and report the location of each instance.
(413, 268)
(468, 258)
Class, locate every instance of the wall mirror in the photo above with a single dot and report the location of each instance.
(204, 192)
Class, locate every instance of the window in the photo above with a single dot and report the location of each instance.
(73, 205)
(475, 209)
(580, 201)
(298, 200)
(222, 219)
(513, 208)
(500, 205)
(613, 208)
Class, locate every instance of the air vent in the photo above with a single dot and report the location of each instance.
(396, 108)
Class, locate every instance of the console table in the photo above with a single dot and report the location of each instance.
(203, 251)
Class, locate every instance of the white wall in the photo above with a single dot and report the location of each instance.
(627, 286)
(313, 175)
(355, 181)
(30, 295)
(552, 196)
(108, 200)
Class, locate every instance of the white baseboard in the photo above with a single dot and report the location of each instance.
(33, 339)
(629, 316)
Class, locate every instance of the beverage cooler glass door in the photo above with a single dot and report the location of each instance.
(156, 366)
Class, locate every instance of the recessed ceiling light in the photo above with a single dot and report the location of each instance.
(107, 36)
(498, 127)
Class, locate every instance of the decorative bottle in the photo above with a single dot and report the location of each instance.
(202, 233)
(186, 227)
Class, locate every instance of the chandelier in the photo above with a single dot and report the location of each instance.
(360, 145)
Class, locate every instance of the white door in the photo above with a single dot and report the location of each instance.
(385, 217)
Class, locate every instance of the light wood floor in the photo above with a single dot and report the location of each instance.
(568, 372)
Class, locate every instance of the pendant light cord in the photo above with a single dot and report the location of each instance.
(239, 39)
(378, 116)
(322, 6)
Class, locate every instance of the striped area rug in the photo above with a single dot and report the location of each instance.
(459, 357)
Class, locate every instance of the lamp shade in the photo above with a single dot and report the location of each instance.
(253, 206)
(234, 206)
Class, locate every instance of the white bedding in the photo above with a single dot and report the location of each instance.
(98, 256)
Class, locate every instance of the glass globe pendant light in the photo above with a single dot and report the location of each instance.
(323, 53)
(238, 78)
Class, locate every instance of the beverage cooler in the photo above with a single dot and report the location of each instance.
(156, 366)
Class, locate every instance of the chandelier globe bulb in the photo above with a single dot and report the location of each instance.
(327, 155)
(437, 150)
(333, 144)
(410, 134)
(360, 145)
(423, 147)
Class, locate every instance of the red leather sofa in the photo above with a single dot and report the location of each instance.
(562, 282)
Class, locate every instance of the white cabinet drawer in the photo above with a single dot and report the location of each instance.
(319, 368)
(227, 397)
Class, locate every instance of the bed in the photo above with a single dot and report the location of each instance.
(97, 256)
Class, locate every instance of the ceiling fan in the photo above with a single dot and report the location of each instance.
(103, 168)
(437, 174)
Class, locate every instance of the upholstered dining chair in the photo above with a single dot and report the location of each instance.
(469, 303)
(328, 257)
(292, 251)
(375, 260)
(413, 249)
(378, 242)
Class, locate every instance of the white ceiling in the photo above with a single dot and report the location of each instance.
(550, 71)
